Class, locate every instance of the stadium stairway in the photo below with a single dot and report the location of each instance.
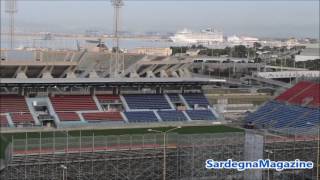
(52, 111)
(124, 103)
(172, 115)
(96, 100)
(169, 101)
(184, 101)
(193, 99)
(29, 102)
(214, 112)
(187, 116)
(157, 115)
(6, 120)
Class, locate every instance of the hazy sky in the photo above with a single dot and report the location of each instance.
(257, 18)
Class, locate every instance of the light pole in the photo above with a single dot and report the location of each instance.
(268, 152)
(63, 169)
(318, 152)
(164, 146)
(318, 148)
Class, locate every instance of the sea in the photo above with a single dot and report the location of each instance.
(71, 44)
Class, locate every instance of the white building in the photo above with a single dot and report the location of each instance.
(151, 51)
(233, 39)
(308, 54)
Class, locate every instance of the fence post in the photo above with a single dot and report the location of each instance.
(12, 145)
(80, 141)
(54, 141)
(40, 143)
(92, 141)
(25, 153)
(67, 141)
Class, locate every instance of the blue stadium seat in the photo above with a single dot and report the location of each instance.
(201, 115)
(146, 101)
(141, 116)
(172, 116)
(308, 119)
(197, 98)
(174, 97)
(279, 115)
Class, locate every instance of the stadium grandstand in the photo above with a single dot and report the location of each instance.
(297, 109)
(103, 107)
(60, 120)
(112, 113)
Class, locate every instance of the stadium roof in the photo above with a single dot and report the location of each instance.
(16, 82)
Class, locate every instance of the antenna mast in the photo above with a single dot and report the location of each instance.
(11, 10)
(117, 4)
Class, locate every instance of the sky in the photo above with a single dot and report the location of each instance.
(276, 18)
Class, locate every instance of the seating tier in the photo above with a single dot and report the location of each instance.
(147, 101)
(197, 98)
(141, 116)
(103, 116)
(13, 103)
(312, 93)
(22, 118)
(174, 97)
(73, 103)
(201, 115)
(107, 98)
(279, 115)
(293, 91)
(172, 116)
(68, 116)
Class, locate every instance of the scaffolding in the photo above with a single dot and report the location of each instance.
(62, 155)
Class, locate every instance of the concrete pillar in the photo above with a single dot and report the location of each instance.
(163, 74)
(93, 74)
(150, 74)
(47, 75)
(134, 75)
(253, 150)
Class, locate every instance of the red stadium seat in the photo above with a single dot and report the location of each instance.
(68, 116)
(73, 103)
(22, 118)
(13, 103)
(107, 98)
(103, 116)
(311, 93)
(303, 93)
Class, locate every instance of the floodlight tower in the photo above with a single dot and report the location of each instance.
(117, 4)
(11, 10)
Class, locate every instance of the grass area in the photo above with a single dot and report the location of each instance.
(6, 137)
(126, 131)
(183, 130)
(3, 144)
(240, 98)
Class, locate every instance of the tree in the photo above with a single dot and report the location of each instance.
(257, 45)
(179, 49)
(239, 51)
(257, 60)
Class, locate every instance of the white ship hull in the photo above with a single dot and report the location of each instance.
(189, 37)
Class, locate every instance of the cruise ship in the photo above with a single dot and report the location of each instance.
(206, 36)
